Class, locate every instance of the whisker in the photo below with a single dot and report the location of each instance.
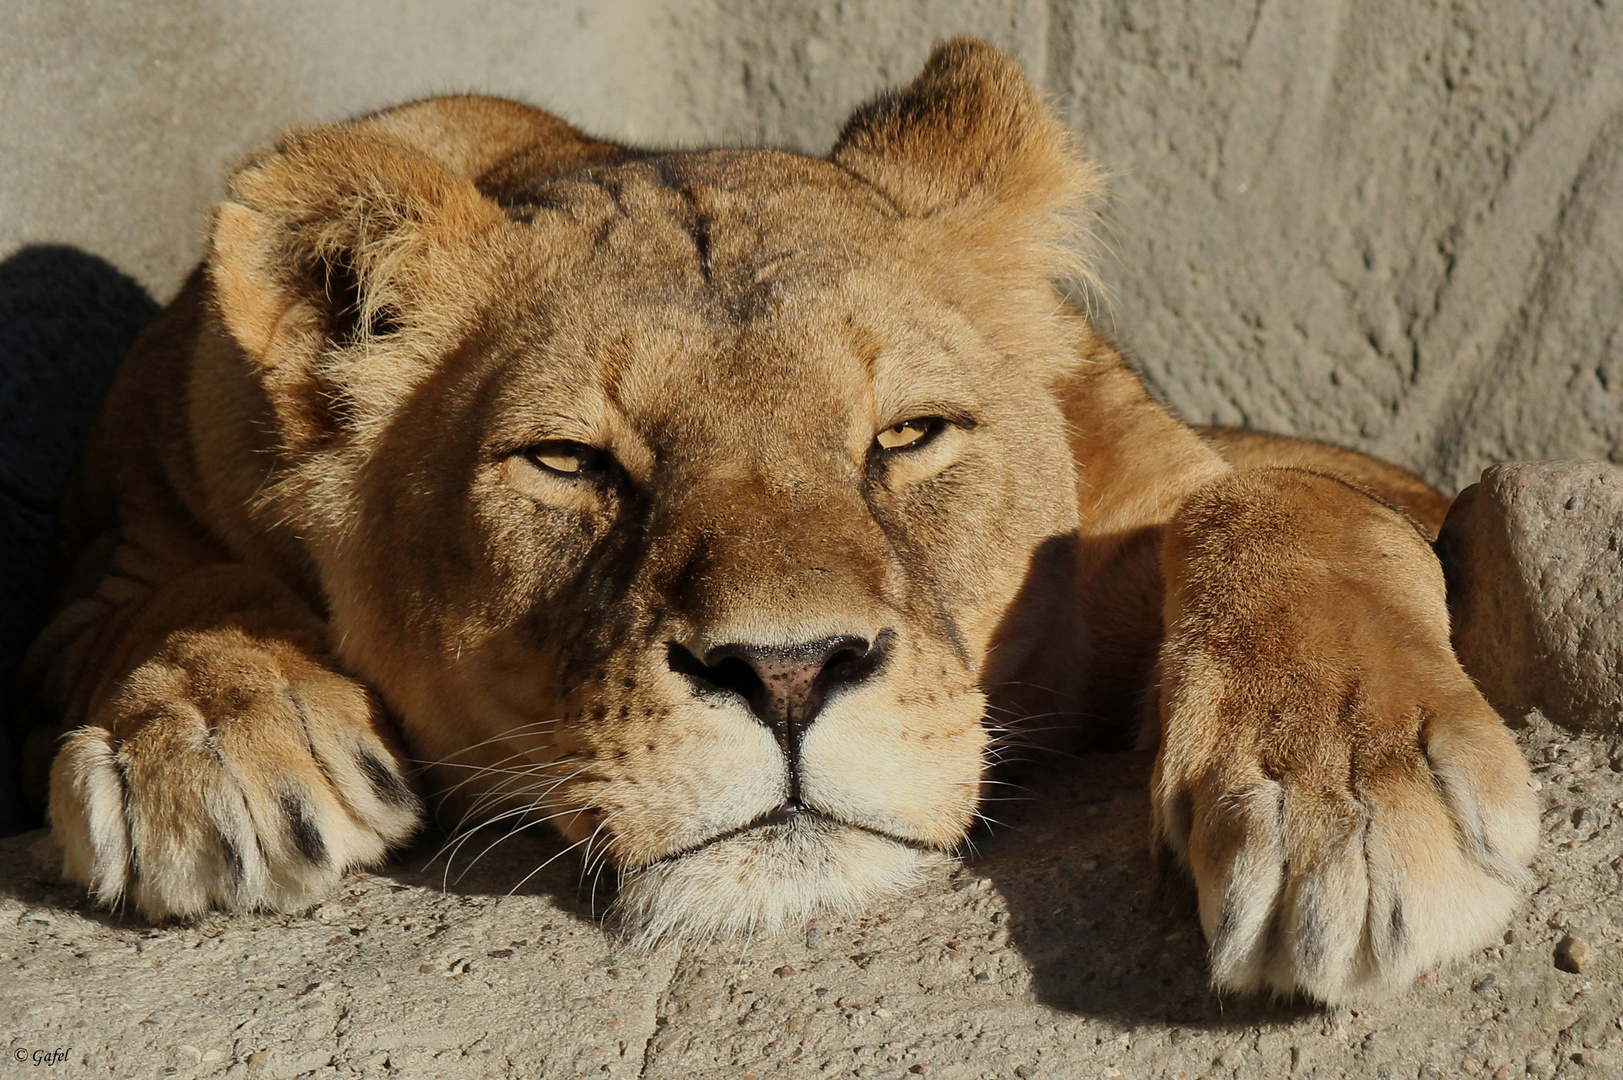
(512, 832)
(503, 791)
(538, 794)
(522, 729)
(544, 864)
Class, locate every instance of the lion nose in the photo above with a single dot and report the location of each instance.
(785, 685)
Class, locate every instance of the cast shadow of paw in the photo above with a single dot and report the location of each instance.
(1105, 929)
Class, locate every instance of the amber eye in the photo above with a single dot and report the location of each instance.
(568, 458)
(908, 433)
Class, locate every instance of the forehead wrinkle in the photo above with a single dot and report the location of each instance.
(658, 362)
(914, 352)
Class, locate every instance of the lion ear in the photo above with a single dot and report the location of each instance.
(969, 140)
(374, 232)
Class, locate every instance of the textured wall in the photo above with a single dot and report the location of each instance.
(1396, 224)
(1391, 223)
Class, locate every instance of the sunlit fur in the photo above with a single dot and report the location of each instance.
(473, 433)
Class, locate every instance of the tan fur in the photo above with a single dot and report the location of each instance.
(742, 656)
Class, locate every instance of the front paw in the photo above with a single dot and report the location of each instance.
(1351, 809)
(228, 772)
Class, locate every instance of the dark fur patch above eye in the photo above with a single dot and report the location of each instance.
(306, 837)
(388, 784)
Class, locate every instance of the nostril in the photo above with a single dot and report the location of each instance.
(847, 665)
(854, 660)
(735, 675)
(730, 673)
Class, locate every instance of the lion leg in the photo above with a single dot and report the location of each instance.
(223, 763)
(1351, 809)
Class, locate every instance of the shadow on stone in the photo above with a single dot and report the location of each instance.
(495, 860)
(66, 319)
(1107, 932)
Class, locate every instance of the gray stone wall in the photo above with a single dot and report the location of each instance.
(1393, 224)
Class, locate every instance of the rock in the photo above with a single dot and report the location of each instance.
(1534, 559)
(1572, 954)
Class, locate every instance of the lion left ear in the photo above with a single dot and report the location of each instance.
(968, 138)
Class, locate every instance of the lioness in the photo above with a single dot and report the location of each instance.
(706, 505)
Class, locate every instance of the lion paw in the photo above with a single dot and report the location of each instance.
(1350, 807)
(1357, 867)
(227, 773)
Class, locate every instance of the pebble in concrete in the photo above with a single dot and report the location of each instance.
(1572, 954)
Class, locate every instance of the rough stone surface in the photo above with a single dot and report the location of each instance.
(1534, 557)
(1054, 954)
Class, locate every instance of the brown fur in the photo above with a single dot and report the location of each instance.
(744, 653)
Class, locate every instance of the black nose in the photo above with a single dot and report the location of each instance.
(784, 685)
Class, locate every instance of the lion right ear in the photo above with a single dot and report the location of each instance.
(350, 256)
(970, 149)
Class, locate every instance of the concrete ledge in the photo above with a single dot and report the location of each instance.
(1055, 953)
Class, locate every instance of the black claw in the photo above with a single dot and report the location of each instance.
(1310, 947)
(1225, 924)
(128, 800)
(388, 784)
(306, 837)
(233, 860)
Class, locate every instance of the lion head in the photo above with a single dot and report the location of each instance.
(696, 502)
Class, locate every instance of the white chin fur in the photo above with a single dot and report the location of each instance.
(765, 880)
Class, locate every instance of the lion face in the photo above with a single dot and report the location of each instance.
(691, 502)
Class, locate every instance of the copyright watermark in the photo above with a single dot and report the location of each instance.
(54, 1056)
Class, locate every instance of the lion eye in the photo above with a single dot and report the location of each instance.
(908, 433)
(567, 458)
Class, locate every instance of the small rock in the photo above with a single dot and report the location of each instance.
(258, 1057)
(1486, 983)
(1230, 1058)
(923, 1067)
(1531, 556)
(814, 937)
(784, 972)
(1572, 954)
